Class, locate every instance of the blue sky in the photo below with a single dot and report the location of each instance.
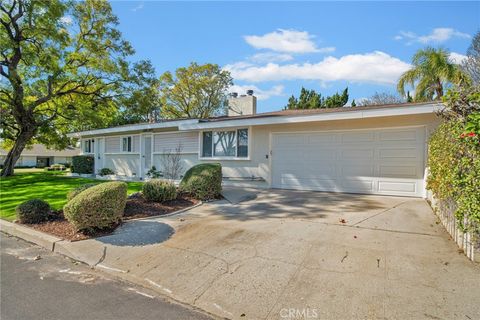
(276, 48)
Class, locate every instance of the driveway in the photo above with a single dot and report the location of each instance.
(302, 255)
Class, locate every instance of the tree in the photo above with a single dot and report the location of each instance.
(310, 99)
(354, 104)
(472, 64)
(379, 98)
(196, 91)
(65, 67)
(432, 72)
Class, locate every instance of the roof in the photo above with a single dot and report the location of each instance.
(41, 150)
(276, 117)
(298, 112)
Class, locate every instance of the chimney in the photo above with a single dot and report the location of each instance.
(242, 105)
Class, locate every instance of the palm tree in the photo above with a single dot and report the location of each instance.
(431, 72)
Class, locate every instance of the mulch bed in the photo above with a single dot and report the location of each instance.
(137, 207)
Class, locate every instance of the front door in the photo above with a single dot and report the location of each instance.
(99, 146)
(147, 154)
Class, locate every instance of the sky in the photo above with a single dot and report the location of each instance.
(275, 48)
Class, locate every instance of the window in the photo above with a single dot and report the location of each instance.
(225, 144)
(88, 146)
(127, 144)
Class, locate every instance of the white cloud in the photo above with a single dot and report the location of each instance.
(437, 35)
(457, 58)
(270, 57)
(138, 7)
(259, 93)
(290, 41)
(375, 67)
(66, 20)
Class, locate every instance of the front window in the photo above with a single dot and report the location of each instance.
(127, 144)
(88, 146)
(225, 144)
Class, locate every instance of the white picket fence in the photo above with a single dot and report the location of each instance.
(468, 242)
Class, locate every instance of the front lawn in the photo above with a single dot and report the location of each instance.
(49, 186)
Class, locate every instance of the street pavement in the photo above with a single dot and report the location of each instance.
(37, 284)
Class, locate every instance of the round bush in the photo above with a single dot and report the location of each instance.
(33, 211)
(98, 207)
(158, 190)
(72, 194)
(106, 172)
(203, 181)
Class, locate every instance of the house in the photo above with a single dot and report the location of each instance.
(371, 150)
(40, 156)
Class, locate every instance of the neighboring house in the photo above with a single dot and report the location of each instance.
(40, 156)
(372, 150)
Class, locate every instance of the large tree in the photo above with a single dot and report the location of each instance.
(63, 66)
(472, 64)
(379, 98)
(310, 99)
(196, 91)
(431, 73)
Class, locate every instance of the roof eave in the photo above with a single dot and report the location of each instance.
(341, 115)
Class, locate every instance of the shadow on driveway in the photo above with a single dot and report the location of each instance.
(139, 233)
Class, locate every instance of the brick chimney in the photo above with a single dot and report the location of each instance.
(242, 105)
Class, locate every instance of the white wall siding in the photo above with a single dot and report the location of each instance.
(123, 164)
(169, 141)
(112, 144)
(136, 144)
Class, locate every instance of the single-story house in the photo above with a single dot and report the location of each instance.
(371, 150)
(38, 155)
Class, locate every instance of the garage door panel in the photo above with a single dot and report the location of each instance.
(380, 161)
(399, 153)
(366, 154)
(398, 135)
(399, 170)
(397, 186)
(309, 184)
(358, 185)
(358, 137)
(365, 170)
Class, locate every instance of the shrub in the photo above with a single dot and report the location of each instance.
(454, 171)
(98, 207)
(203, 181)
(33, 211)
(73, 193)
(159, 190)
(106, 172)
(154, 173)
(82, 164)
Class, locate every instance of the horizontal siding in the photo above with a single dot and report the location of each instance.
(136, 144)
(170, 141)
(112, 144)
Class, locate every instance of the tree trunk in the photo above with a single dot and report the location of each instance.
(13, 155)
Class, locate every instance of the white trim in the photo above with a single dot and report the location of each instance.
(122, 153)
(341, 115)
(131, 143)
(162, 152)
(135, 127)
(226, 158)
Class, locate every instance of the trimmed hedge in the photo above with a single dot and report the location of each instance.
(454, 171)
(158, 190)
(106, 172)
(33, 211)
(203, 181)
(83, 164)
(72, 194)
(98, 207)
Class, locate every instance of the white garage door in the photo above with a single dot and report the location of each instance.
(381, 161)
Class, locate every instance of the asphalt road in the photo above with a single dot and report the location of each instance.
(37, 284)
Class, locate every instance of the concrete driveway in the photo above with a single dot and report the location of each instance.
(304, 255)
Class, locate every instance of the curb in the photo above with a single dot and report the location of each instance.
(28, 234)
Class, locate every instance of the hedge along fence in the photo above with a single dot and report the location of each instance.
(454, 182)
(83, 164)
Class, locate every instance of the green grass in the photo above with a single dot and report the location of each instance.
(49, 186)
